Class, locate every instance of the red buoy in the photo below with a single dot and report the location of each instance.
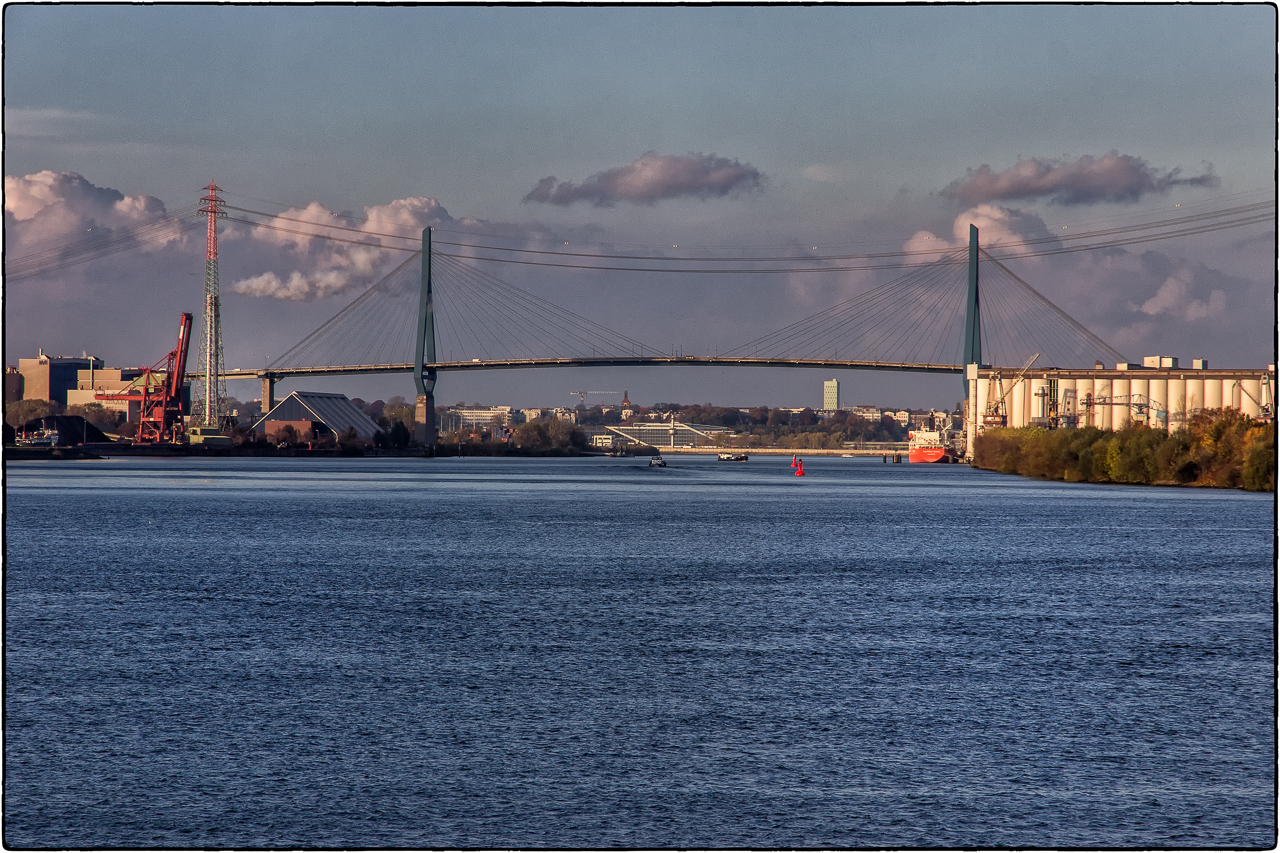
(793, 460)
(800, 469)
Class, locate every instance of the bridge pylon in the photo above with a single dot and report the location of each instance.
(424, 376)
(972, 317)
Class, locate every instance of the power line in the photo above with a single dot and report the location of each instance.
(161, 228)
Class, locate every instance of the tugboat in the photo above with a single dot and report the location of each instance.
(657, 461)
(931, 446)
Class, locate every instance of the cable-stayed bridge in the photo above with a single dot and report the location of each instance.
(442, 311)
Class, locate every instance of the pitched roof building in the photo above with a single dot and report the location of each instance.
(333, 411)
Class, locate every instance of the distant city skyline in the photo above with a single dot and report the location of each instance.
(781, 127)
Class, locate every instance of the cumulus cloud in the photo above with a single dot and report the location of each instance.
(1113, 177)
(652, 178)
(52, 208)
(1175, 299)
(323, 268)
(1009, 228)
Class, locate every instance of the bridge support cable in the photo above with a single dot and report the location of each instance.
(354, 334)
(475, 314)
(908, 330)
(926, 317)
(515, 319)
(876, 325)
(1081, 332)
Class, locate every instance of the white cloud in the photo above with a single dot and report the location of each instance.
(1010, 229)
(1174, 299)
(48, 209)
(323, 268)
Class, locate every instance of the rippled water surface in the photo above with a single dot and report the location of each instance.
(591, 653)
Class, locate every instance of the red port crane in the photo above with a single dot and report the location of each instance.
(158, 390)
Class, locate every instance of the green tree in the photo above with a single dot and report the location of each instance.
(1259, 471)
(21, 412)
(531, 436)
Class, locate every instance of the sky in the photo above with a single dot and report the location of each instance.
(690, 130)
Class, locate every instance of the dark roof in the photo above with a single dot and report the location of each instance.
(333, 410)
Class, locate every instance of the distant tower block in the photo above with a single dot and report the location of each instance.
(208, 402)
(831, 395)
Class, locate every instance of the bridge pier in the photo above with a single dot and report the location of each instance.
(424, 422)
(268, 391)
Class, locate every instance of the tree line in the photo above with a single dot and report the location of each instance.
(1218, 447)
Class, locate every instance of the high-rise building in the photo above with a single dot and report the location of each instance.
(831, 395)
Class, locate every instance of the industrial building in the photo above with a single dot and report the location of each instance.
(80, 381)
(316, 412)
(1158, 393)
(50, 377)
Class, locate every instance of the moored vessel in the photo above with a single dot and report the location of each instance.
(931, 446)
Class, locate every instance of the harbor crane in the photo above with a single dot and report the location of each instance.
(158, 390)
(996, 414)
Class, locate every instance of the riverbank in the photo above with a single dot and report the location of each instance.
(1218, 449)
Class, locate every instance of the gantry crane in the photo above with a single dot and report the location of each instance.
(1138, 404)
(159, 391)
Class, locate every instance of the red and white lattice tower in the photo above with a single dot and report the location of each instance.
(208, 403)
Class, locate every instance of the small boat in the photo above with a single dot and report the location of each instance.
(657, 462)
(732, 457)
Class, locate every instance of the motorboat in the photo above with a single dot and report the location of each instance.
(657, 461)
(732, 457)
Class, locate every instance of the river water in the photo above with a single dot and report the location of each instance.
(591, 653)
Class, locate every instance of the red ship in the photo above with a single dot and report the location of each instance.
(931, 446)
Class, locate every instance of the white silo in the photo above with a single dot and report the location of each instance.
(1017, 403)
(1159, 394)
(1213, 394)
(1039, 397)
(1120, 415)
(1102, 391)
(1253, 388)
(1195, 394)
(1176, 395)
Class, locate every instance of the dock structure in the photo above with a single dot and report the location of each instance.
(1157, 393)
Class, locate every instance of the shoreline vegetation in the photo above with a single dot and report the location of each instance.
(1218, 448)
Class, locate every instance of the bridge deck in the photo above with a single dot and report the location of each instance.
(636, 361)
